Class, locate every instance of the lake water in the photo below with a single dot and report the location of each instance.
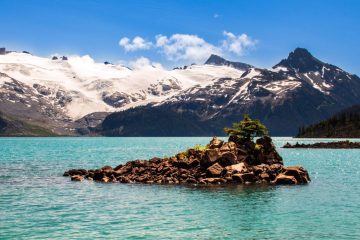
(36, 202)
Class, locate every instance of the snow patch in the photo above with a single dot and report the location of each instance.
(253, 73)
(280, 68)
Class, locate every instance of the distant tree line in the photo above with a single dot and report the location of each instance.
(343, 124)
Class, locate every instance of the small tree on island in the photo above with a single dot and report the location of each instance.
(247, 129)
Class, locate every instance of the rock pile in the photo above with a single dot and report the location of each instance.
(235, 161)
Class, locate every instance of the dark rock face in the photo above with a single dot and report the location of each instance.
(42, 89)
(205, 166)
(118, 99)
(219, 61)
(301, 60)
(3, 123)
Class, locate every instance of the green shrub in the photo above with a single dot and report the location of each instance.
(199, 147)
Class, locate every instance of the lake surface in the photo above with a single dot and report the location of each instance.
(36, 202)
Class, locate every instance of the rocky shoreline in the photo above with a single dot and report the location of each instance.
(233, 162)
(331, 145)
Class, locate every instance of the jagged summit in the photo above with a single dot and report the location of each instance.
(301, 60)
(219, 61)
(215, 59)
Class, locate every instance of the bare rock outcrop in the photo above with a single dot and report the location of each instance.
(236, 161)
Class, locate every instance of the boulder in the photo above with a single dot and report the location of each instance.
(215, 170)
(73, 172)
(98, 175)
(248, 177)
(244, 177)
(210, 157)
(215, 143)
(105, 179)
(212, 180)
(124, 169)
(276, 167)
(273, 157)
(237, 168)
(227, 158)
(264, 176)
(284, 179)
(107, 169)
(262, 168)
(184, 162)
(77, 178)
(299, 173)
(118, 167)
(193, 163)
(266, 143)
(237, 177)
(228, 147)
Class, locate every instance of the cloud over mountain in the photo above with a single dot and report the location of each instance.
(189, 47)
(136, 44)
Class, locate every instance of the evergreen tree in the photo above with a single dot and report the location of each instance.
(247, 129)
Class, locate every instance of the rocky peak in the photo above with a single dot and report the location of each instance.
(301, 60)
(216, 60)
(219, 61)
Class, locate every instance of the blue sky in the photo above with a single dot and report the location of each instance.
(258, 32)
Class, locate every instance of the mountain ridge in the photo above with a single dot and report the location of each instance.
(297, 91)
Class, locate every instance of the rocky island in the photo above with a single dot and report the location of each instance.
(239, 160)
(333, 145)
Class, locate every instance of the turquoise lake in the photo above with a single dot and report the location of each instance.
(36, 202)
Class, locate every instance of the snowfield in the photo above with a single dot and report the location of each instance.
(88, 82)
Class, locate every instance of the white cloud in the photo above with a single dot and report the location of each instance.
(216, 15)
(143, 62)
(189, 48)
(237, 44)
(136, 44)
(185, 47)
(161, 40)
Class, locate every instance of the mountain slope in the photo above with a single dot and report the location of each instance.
(298, 91)
(345, 124)
(13, 127)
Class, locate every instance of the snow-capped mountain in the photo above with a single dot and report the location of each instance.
(73, 94)
(66, 89)
(298, 91)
